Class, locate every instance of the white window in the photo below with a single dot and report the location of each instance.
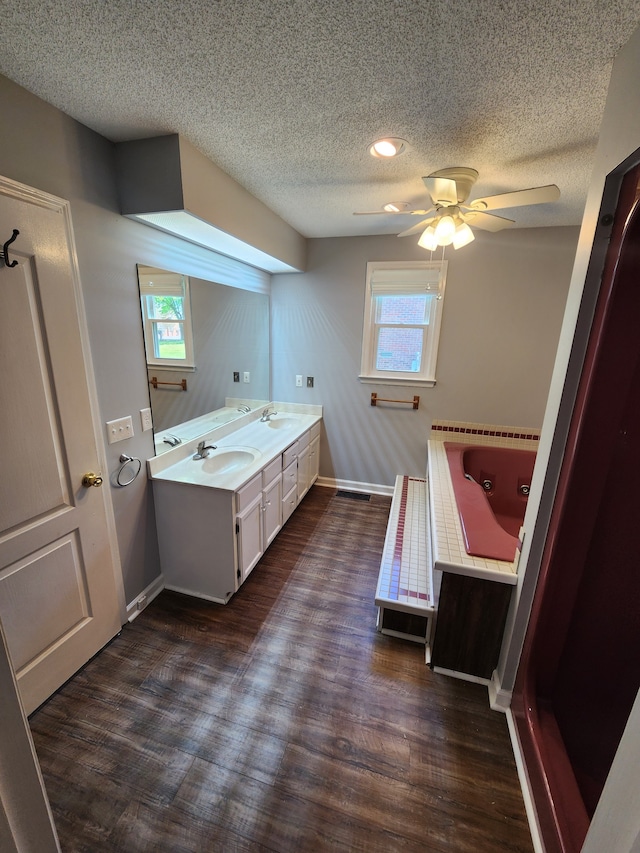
(402, 315)
(166, 318)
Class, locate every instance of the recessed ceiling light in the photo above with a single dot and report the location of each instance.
(396, 206)
(388, 147)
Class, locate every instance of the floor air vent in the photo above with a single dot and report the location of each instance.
(355, 496)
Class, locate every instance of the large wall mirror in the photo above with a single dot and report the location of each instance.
(230, 331)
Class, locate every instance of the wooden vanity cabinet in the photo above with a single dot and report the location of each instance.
(470, 623)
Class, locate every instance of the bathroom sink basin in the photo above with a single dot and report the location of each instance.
(226, 460)
(282, 423)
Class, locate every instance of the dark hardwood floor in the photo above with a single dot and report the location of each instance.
(280, 722)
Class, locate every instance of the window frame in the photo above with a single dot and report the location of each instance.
(411, 278)
(167, 284)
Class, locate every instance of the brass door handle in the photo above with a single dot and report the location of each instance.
(91, 479)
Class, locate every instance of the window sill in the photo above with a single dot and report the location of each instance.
(409, 383)
(184, 368)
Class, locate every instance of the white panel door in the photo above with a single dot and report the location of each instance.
(59, 598)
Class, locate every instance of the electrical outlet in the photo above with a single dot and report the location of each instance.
(309, 381)
(236, 376)
(298, 380)
(119, 429)
(146, 419)
(246, 376)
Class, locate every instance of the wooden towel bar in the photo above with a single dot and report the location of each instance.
(155, 382)
(375, 400)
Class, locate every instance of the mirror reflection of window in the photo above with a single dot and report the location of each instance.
(166, 316)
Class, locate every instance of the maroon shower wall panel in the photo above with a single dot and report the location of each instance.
(580, 668)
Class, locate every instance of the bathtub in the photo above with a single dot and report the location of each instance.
(491, 487)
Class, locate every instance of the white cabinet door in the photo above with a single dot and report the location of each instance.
(314, 460)
(249, 527)
(272, 510)
(303, 473)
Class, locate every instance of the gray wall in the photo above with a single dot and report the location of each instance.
(501, 320)
(503, 310)
(42, 147)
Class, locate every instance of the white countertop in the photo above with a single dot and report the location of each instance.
(266, 440)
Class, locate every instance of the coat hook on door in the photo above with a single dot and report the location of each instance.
(5, 250)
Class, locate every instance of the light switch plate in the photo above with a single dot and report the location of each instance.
(146, 420)
(246, 376)
(309, 381)
(298, 380)
(119, 429)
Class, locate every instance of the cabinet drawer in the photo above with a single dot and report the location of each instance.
(248, 492)
(290, 476)
(271, 470)
(314, 432)
(290, 455)
(289, 503)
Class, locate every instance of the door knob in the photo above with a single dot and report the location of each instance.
(91, 479)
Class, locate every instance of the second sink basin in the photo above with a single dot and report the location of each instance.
(229, 459)
(282, 423)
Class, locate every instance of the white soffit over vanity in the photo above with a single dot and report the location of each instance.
(167, 183)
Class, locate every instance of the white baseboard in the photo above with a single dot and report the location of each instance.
(523, 776)
(463, 676)
(194, 594)
(146, 597)
(499, 699)
(354, 486)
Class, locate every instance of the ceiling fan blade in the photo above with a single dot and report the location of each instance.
(519, 198)
(443, 191)
(391, 212)
(487, 221)
(420, 226)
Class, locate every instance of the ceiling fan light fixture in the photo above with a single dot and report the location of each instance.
(445, 229)
(428, 239)
(387, 148)
(463, 236)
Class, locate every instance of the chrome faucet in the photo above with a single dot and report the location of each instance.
(244, 408)
(203, 450)
(173, 440)
(266, 415)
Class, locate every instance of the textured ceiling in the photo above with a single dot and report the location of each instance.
(287, 95)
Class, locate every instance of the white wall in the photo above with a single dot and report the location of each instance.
(503, 307)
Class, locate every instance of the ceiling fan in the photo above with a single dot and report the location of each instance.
(450, 217)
